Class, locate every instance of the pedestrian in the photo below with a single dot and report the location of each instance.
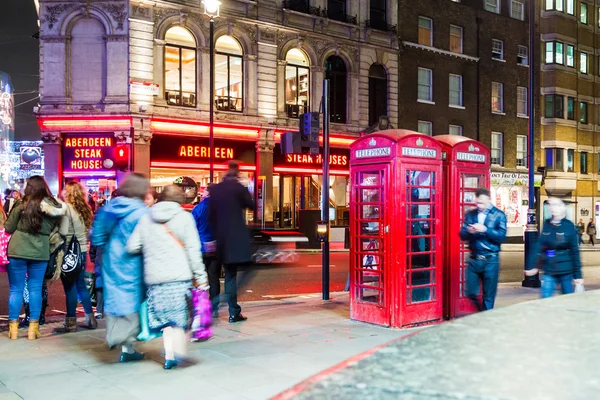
(25, 321)
(209, 248)
(171, 261)
(96, 259)
(484, 228)
(11, 201)
(151, 198)
(122, 272)
(557, 251)
(229, 199)
(31, 222)
(78, 222)
(580, 230)
(591, 231)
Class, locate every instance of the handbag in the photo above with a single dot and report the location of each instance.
(201, 310)
(579, 288)
(72, 264)
(145, 333)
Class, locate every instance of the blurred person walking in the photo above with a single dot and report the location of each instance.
(591, 231)
(171, 261)
(122, 272)
(580, 230)
(484, 228)
(229, 200)
(11, 201)
(557, 252)
(31, 222)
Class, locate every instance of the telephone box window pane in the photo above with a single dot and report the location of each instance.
(419, 211)
(370, 261)
(370, 244)
(471, 181)
(369, 295)
(370, 179)
(469, 197)
(370, 228)
(421, 261)
(420, 295)
(370, 212)
(369, 195)
(421, 245)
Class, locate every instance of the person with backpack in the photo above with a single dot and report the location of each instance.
(77, 222)
(30, 223)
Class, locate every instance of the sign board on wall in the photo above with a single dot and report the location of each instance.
(88, 152)
(182, 149)
(338, 158)
(144, 88)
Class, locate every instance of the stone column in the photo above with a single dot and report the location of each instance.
(316, 85)
(251, 86)
(264, 167)
(281, 64)
(353, 105)
(204, 79)
(117, 73)
(159, 70)
(53, 160)
(141, 146)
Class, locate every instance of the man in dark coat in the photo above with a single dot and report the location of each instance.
(229, 199)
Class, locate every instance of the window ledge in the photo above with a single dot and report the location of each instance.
(585, 177)
(457, 107)
(523, 116)
(499, 59)
(498, 113)
(561, 67)
(523, 65)
(522, 167)
(559, 121)
(586, 127)
(556, 13)
(426, 102)
(586, 77)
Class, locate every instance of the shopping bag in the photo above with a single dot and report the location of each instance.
(4, 238)
(73, 262)
(145, 333)
(579, 288)
(201, 315)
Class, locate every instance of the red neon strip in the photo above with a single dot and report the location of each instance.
(195, 127)
(73, 123)
(220, 167)
(309, 171)
(338, 140)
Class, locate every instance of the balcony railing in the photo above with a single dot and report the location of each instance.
(302, 6)
(380, 25)
(295, 110)
(341, 17)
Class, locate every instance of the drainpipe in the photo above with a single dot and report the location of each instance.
(478, 21)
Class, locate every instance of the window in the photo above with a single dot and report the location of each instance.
(571, 108)
(229, 74)
(583, 63)
(456, 39)
(180, 67)
(456, 130)
(425, 31)
(335, 71)
(497, 97)
(297, 83)
(378, 93)
(522, 55)
(517, 10)
(521, 151)
(554, 53)
(583, 167)
(583, 112)
(425, 127)
(425, 84)
(522, 101)
(555, 159)
(492, 6)
(583, 15)
(570, 160)
(599, 58)
(554, 5)
(497, 49)
(570, 6)
(378, 14)
(456, 90)
(554, 106)
(336, 10)
(570, 56)
(497, 153)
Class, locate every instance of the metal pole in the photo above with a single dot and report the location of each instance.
(211, 138)
(325, 205)
(531, 231)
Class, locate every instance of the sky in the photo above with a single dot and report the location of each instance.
(19, 57)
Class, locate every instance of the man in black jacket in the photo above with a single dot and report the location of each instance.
(229, 200)
(485, 230)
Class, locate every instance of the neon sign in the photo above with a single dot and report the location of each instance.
(341, 160)
(85, 153)
(225, 153)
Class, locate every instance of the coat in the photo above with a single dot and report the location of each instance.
(165, 236)
(200, 214)
(121, 272)
(229, 199)
(74, 226)
(489, 241)
(591, 229)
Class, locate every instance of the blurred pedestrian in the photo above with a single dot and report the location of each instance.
(11, 201)
(78, 222)
(151, 198)
(229, 200)
(122, 272)
(591, 231)
(557, 251)
(171, 261)
(96, 259)
(580, 230)
(485, 229)
(209, 248)
(31, 222)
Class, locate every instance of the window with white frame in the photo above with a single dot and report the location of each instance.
(497, 97)
(497, 49)
(456, 130)
(522, 55)
(425, 84)
(583, 15)
(521, 101)
(517, 10)
(521, 151)
(570, 56)
(555, 53)
(456, 39)
(570, 6)
(554, 5)
(456, 96)
(425, 127)
(492, 6)
(425, 31)
(583, 62)
(496, 150)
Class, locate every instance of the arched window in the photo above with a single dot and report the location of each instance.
(296, 83)
(180, 67)
(88, 55)
(335, 71)
(229, 73)
(378, 93)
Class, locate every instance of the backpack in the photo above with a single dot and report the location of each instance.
(72, 263)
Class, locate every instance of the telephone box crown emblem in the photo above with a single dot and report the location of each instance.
(372, 142)
(419, 142)
(471, 148)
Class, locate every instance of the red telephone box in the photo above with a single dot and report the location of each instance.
(395, 229)
(466, 168)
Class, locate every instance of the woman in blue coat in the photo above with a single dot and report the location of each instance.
(122, 273)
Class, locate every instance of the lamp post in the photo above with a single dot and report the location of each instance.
(211, 8)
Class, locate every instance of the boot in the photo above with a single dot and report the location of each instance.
(43, 313)
(25, 322)
(90, 322)
(13, 330)
(34, 330)
(70, 325)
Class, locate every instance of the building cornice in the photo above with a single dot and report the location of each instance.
(440, 51)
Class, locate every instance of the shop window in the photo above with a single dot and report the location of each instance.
(497, 49)
(583, 62)
(497, 150)
(492, 6)
(425, 127)
(425, 83)
(229, 75)
(425, 31)
(521, 151)
(522, 55)
(456, 130)
(297, 83)
(180, 67)
(583, 167)
(583, 112)
(554, 53)
(456, 93)
(335, 71)
(555, 159)
(570, 160)
(554, 106)
(521, 101)
(517, 10)
(456, 39)
(378, 93)
(583, 15)
(497, 97)
(571, 108)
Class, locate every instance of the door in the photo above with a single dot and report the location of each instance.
(422, 297)
(369, 247)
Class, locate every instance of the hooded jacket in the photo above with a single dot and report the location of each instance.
(121, 272)
(30, 245)
(74, 226)
(166, 236)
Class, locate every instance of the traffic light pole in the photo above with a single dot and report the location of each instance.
(325, 189)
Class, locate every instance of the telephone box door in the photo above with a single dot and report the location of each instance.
(369, 246)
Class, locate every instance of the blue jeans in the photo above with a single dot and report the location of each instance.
(76, 290)
(35, 271)
(483, 273)
(549, 284)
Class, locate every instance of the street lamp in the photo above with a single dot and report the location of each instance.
(211, 8)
